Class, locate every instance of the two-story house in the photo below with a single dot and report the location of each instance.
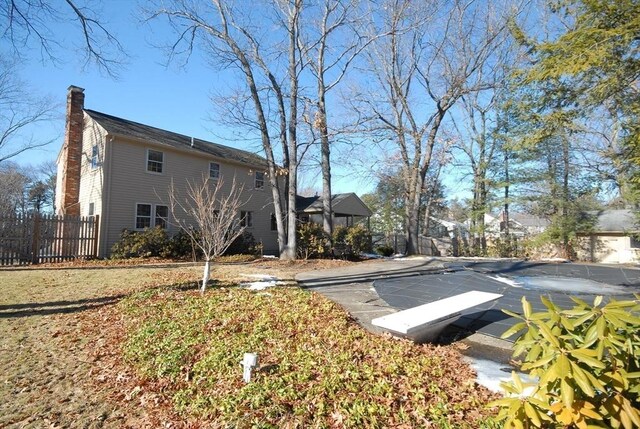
(121, 170)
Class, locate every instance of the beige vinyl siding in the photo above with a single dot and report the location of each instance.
(92, 179)
(58, 192)
(130, 184)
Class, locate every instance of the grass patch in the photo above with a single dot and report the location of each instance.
(317, 367)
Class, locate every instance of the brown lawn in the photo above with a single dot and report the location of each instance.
(59, 329)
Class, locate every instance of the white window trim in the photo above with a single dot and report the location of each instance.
(97, 161)
(152, 222)
(155, 215)
(255, 179)
(146, 162)
(135, 215)
(250, 219)
(218, 164)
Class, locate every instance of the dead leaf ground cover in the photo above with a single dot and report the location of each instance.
(62, 340)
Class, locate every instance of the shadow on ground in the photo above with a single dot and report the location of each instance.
(55, 307)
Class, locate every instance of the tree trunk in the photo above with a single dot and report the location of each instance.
(483, 209)
(290, 249)
(565, 197)
(505, 217)
(327, 221)
(413, 217)
(206, 275)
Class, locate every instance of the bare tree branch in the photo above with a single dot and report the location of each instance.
(210, 215)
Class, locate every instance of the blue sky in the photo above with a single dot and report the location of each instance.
(174, 98)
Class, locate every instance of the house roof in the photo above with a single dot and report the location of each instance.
(622, 220)
(529, 220)
(125, 128)
(348, 204)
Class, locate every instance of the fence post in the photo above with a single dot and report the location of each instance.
(96, 227)
(35, 242)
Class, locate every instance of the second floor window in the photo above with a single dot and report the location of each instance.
(155, 161)
(259, 184)
(246, 219)
(95, 155)
(214, 170)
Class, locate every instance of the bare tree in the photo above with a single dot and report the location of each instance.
(271, 71)
(14, 184)
(331, 44)
(209, 214)
(19, 111)
(479, 149)
(432, 57)
(29, 22)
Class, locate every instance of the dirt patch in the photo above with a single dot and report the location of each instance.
(59, 366)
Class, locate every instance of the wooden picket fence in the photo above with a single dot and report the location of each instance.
(35, 238)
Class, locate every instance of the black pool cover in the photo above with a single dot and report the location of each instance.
(513, 279)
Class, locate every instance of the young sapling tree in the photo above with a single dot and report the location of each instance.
(208, 212)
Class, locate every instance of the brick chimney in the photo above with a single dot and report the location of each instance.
(72, 152)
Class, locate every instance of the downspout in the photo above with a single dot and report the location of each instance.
(104, 227)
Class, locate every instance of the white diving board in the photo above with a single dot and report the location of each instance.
(425, 322)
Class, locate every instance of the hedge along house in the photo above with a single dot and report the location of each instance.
(121, 170)
(348, 210)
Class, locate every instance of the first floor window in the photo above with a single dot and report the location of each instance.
(246, 219)
(148, 215)
(91, 209)
(162, 214)
(274, 224)
(143, 216)
(259, 183)
(155, 161)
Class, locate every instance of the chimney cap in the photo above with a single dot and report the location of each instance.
(73, 88)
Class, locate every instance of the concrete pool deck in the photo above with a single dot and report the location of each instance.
(376, 288)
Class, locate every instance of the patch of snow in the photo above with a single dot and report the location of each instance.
(490, 374)
(269, 257)
(401, 257)
(263, 281)
(259, 285)
(372, 256)
(263, 277)
(506, 280)
(554, 259)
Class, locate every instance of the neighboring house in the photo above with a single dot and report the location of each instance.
(121, 170)
(613, 238)
(520, 224)
(348, 209)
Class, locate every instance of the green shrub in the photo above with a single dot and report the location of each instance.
(349, 242)
(245, 244)
(147, 243)
(384, 250)
(359, 239)
(312, 241)
(586, 361)
(502, 247)
(180, 246)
